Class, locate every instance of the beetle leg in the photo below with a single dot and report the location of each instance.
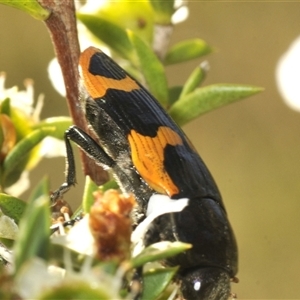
(90, 147)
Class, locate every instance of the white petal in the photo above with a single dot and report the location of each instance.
(157, 205)
(34, 278)
(8, 228)
(288, 74)
(91, 6)
(180, 15)
(79, 238)
(52, 147)
(20, 186)
(55, 75)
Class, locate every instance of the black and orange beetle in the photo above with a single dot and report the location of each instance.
(149, 155)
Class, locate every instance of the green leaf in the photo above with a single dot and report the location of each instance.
(78, 212)
(174, 93)
(34, 232)
(156, 281)
(111, 184)
(159, 251)
(195, 79)
(79, 290)
(1, 135)
(5, 106)
(187, 50)
(164, 9)
(109, 33)
(137, 16)
(151, 68)
(58, 251)
(21, 149)
(21, 123)
(208, 98)
(58, 126)
(8, 243)
(88, 198)
(31, 7)
(9, 211)
(12, 207)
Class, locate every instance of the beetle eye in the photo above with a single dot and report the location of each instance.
(197, 285)
(206, 283)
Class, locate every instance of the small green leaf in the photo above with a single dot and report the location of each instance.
(79, 290)
(159, 251)
(22, 148)
(1, 135)
(137, 16)
(78, 212)
(174, 93)
(151, 68)
(109, 33)
(156, 281)
(111, 184)
(88, 198)
(208, 98)
(164, 9)
(31, 7)
(187, 50)
(34, 233)
(21, 123)
(58, 124)
(12, 207)
(5, 106)
(57, 253)
(8, 243)
(195, 79)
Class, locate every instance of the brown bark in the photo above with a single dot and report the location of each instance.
(63, 31)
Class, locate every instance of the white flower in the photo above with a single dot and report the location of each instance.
(8, 228)
(22, 100)
(56, 77)
(158, 205)
(84, 244)
(288, 74)
(19, 187)
(35, 277)
(181, 13)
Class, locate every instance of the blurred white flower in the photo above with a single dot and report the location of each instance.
(288, 75)
(20, 186)
(6, 254)
(8, 228)
(22, 100)
(35, 277)
(181, 13)
(85, 244)
(56, 77)
(91, 6)
(52, 147)
(28, 114)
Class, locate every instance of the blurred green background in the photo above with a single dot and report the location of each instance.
(252, 148)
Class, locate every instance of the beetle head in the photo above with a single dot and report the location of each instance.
(206, 283)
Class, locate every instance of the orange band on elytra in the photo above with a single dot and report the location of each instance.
(148, 157)
(97, 85)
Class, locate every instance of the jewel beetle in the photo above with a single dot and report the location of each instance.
(150, 155)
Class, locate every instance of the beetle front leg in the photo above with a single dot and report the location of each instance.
(90, 147)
